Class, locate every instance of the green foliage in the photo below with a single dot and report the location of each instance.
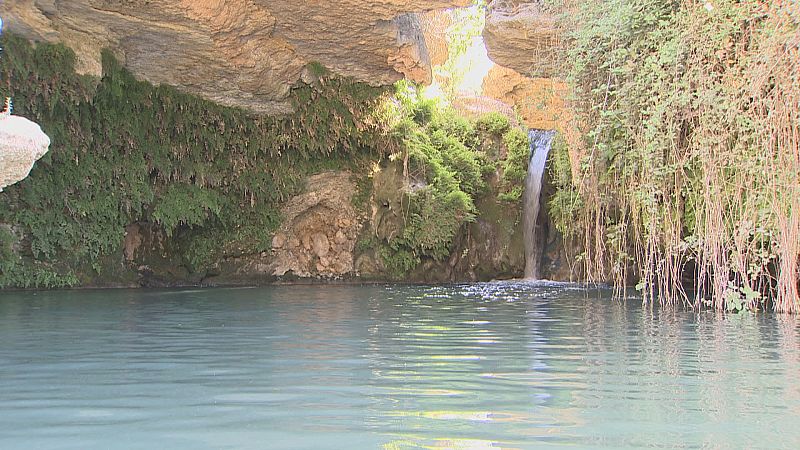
(36, 274)
(447, 171)
(124, 151)
(466, 25)
(690, 120)
(186, 205)
(435, 217)
(565, 206)
(16, 273)
(493, 123)
(462, 129)
(7, 240)
(515, 166)
(317, 69)
(211, 179)
(397, 260)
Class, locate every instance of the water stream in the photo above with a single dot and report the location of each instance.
(541, 141)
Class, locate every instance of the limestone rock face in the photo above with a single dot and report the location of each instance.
(319, 232)
(476, 106)
(523, 35)
(245, 53)
(524, 38)
(434, 26)
(22, 143)
(540, 101)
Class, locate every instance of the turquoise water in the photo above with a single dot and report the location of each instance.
(479, 366)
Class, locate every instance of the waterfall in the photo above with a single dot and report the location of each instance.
(541, 140)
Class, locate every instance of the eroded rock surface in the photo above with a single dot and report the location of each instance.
(245, 53)
(523, 35)
(319, 230)
(22, 143)
(541, 102)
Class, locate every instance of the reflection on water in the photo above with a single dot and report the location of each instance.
(495, 365)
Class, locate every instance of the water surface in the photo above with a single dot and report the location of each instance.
(498, 365)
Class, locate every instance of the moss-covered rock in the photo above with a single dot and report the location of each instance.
(145, 185)
(209, 180)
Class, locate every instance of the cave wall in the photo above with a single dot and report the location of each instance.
(243, 53)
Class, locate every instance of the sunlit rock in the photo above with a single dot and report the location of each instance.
(244, 53)
(539, 101)
(22, 143)
(524, 35)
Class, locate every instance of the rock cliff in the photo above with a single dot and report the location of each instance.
(523, 37)
(541, 102)
(245, 53)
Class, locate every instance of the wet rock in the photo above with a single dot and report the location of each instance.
(316, 227)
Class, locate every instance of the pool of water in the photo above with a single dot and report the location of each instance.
(496, 365)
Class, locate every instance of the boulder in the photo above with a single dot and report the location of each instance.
(22, 143)
(319, 230)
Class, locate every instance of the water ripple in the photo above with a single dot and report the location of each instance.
(472, 366)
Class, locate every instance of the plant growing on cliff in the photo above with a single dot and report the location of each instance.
(447, 161)
(124, 151)
(690, 168)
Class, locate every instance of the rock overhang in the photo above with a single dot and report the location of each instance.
(241, 53)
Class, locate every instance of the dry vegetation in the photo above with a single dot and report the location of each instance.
(691, 173)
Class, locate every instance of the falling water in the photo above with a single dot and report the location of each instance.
(541, 140)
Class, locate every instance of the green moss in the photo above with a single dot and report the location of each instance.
(448, 170)
(493, 123)
(397, 260)
(363, 192)
(317, 69)
(7, 240)
(515, 165)
(186, 205)
(125, 151)
(434, 218)
(458, 127)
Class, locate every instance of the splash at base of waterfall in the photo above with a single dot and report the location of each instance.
(541, 141)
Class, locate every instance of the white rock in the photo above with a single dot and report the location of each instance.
(321, 244)
(278, 240)
(22, 143)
